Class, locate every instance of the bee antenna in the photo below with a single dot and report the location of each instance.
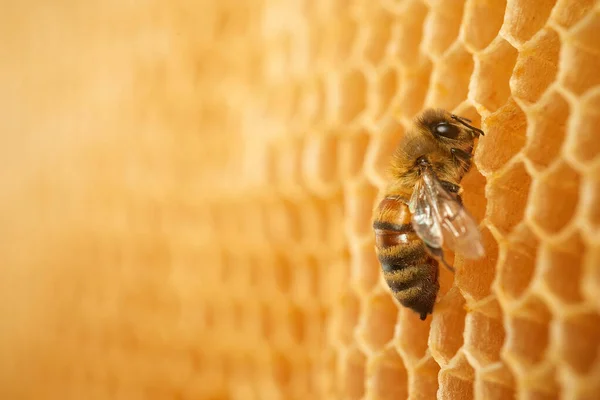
(465, 122)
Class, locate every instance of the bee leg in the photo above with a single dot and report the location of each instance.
(438, 254)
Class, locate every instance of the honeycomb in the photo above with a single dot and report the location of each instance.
(187, 189)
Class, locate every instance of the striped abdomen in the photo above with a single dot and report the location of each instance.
(409, 271)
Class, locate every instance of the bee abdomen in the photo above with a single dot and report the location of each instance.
(411, 275)
(409, 271)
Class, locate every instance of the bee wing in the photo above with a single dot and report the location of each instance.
(459, 230)
(424, 220)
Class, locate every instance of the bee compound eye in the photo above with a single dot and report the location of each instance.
(446, 130)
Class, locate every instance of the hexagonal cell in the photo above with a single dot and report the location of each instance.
(481, 23)
(379, 155)
(410, 338)
(561, 266)
(319, 162)
(504, 137)
(536, 66)
(447, 326)
(283, 224)
(578, 341)
(377, 325)
(339, 41)
(484, 336)
(351, 154)
(353, 369)
(456, 381)
(495, 382)
(408, 32)
(578, 66)
(295, 322)
(365, 269)
(389, 378)
(347, 311)
(450, 78)
(517, 264)
(507, 195)
(489, 87)
(554, 198)
(473, 195)
(567, 13)
(378, 35)
(441, 28)
(583, 142)
(547, 121)
(305, 278)
(475, 277)
(389, 85)
(423, 379)
(585, 33)
(524, 18)
(526, 340)
(352, 95)
(589, 200)
(415, 82)
(358, 208)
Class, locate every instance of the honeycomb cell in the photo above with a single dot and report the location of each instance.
(379, 154)
(495, 382)
(353, 384)
(536, 66)
(423, 379)
(505, 132)
(516, 264)
(566, 15)
(319, 162)
(413, 90)
(282, 369)
(590, 210)
(348, 310)
(351, 154)
(583, 142)
(408, 32)
(388, 84)
(489, 86)
(507, 197)
(365, 268)
(441, 28)
(450, 78)
(561, 184)
(526, 341)
(410, 338)
(378, 36)
(283, 224)
(481, 23)
(561, 266)
(377, 325)
(447, 326)
(578, 340)
(352, 95)
(389, 376)
(484, 336)
(475, 277)
(583, 77)
(456, 381)
(547, 121)
(524, 18)
(359, 208)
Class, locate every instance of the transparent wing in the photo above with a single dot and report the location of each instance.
(439, 218)
(426, 224)
(458, 228)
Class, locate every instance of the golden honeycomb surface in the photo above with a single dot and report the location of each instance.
(187, 192)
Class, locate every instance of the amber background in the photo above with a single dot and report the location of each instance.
(186, 193)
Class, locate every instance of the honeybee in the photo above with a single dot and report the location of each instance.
(422, 209)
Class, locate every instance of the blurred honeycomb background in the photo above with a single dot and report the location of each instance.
(187, 190)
